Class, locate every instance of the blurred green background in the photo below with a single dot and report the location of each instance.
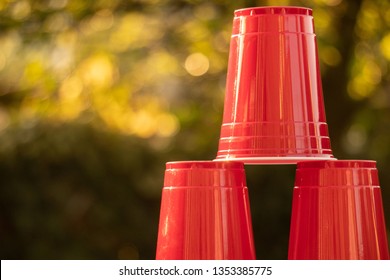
(96, 95)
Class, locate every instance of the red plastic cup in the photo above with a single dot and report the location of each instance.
(274, 110)
(205, 212)
(337, 212)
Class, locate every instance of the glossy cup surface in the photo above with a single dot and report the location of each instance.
(337, 212)
(205, 212)
(273, 110)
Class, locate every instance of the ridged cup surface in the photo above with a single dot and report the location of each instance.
(337, 212)
(274, 109)
(205, 212)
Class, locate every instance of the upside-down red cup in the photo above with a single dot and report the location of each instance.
(337, 212)
(205, 212)
(273, 110)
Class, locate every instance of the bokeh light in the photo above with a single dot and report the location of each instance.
(197, 64)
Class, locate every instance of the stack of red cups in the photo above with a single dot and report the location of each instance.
(273, 114)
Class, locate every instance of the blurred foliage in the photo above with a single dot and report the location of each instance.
(95, 97)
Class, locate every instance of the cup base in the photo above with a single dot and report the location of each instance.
(274, 160)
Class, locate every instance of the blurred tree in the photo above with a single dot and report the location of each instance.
(95, 97)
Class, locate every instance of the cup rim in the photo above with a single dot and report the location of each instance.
(275, 160)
